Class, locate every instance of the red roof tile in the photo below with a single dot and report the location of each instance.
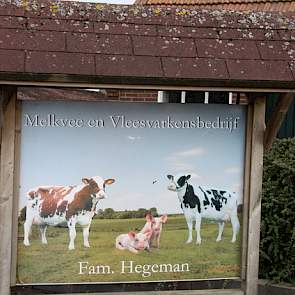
(237, 5)
(150, 45)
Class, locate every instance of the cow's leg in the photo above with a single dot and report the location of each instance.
(72, 234)
(27, 226)
(43, 228)
(220, 231)
(86, 235)
(235, 225)
(189, 222)
(198, 229)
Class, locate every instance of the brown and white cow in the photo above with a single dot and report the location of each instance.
(55, 205)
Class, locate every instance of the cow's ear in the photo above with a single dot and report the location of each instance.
(170, 177)
(188, 177)
(85, 180)
(164, 218)
(149, 217)
(131, 234)
(109, 181)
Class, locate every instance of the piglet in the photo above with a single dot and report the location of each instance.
(154, 225)
(134, 242)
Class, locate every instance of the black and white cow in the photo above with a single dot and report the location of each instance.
(198, 202)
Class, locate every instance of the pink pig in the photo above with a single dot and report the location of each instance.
(154, 225)
(134, 242)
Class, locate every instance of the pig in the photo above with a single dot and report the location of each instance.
(154, 224)
(134, 242)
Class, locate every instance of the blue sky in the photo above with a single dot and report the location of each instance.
(134, 157)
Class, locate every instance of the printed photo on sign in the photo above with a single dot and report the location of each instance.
(129, 192)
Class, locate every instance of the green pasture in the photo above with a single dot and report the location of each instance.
(54, 263)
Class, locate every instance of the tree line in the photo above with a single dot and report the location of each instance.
(110, 213)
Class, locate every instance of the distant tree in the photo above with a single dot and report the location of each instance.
(125, 214)
(109, 213)
(100, 214)
(154, 211)
(141, 213)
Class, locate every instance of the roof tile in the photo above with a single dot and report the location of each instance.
(259, 70)
(256, 5)
(134, 66)
(194, 68)
(274, 50)
(248, 34)
(62, 25)
(14, 10)
(12, 22)
(227, 49)
(11, 60)
(292, 67)
(187, 32)
(24, 39)
(168, 44)
(95, 43)
(125, 29)
(60, 63)
(164, 46)
(287, 35)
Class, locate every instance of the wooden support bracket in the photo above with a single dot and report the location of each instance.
(277, 118)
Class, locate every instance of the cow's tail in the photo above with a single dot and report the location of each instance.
(238, 197)
(236, 206)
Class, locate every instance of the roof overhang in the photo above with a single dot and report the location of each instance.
(70, 43)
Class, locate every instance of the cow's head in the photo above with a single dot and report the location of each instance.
(97, 186)
(140, 241)
(177, 182)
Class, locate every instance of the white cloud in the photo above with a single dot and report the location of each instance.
(133, 138)
(189, 153)
(180, 166)
(195, 176)
(181, 161)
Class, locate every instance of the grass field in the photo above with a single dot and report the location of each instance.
(54, 263)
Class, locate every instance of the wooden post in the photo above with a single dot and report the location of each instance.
(277, 118)
(256, 171)
(7, 193)
(246, 192)
(16, 191)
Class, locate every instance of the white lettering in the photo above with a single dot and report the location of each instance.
(83, 266)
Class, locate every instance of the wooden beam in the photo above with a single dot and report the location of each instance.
(255, 189)
(277, 118)
(184, 292)
(14, 239)
(246, 192)
(187, 86)
(7, 193)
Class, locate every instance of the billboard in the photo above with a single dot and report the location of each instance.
(129, 192)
